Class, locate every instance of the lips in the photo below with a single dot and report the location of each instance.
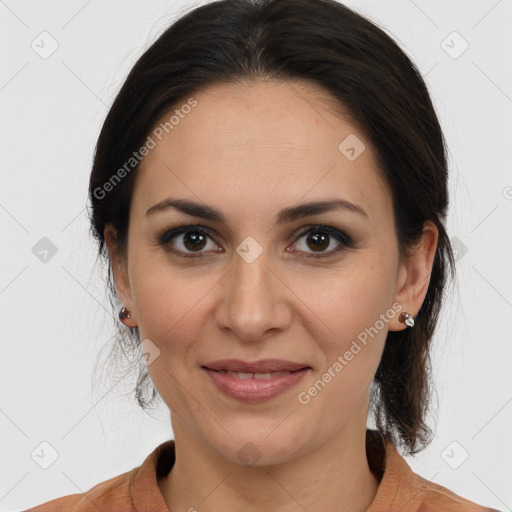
(261, 367)
(256, 386)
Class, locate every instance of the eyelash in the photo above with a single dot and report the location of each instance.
(346, 242)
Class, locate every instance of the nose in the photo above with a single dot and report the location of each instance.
(255, 300)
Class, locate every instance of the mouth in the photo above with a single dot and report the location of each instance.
(251, 375)
(261, 369)
(254, 386)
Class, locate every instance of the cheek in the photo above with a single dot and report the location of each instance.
(354, 298)
(357, 317)
(355, 311)
(167, 300)
(170, 311)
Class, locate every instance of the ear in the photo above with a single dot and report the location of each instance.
(413, 276)
(120, 273)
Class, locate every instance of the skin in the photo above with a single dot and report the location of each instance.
(250, 150)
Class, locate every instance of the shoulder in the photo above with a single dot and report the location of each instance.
(127, 492)
(103, 496)
(436, 497)
(401, 489)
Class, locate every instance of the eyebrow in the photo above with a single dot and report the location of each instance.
(288, 214)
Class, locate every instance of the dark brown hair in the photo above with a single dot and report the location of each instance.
(325, 43)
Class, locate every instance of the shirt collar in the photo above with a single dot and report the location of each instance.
(399, 489)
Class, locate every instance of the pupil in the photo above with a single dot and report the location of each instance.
(195, 238)
(322, 238)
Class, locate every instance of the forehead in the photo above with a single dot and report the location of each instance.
(269, 143)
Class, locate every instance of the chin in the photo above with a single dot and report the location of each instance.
(251, 449)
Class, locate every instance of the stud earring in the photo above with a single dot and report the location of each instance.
(407, 319)
(124, 313)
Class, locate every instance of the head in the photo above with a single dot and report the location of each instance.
(250, 109)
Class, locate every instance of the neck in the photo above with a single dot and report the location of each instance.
(335, 475)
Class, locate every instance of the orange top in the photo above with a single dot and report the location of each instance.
(400, 489)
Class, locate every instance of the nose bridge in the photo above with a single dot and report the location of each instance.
(250, 287)
(251, 293)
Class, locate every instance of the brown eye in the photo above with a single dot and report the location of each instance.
(193, 240)
(320, 238)
(186, 240)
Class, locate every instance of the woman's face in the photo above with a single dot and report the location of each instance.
(257, 285)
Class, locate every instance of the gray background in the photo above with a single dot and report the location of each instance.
(54, 313)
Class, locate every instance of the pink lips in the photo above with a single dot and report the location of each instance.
(247, 387)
